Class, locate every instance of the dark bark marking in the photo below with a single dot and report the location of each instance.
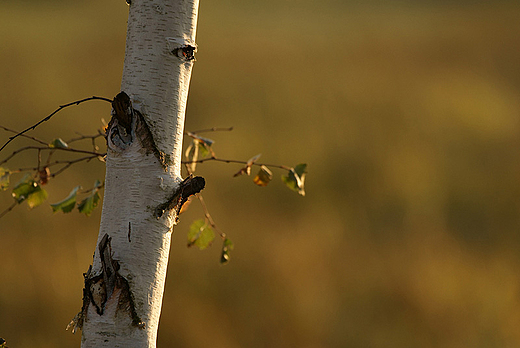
(123, 111)
(119, 130)
(98, 289)
(189, 186)
(145, 136)
(185, 52)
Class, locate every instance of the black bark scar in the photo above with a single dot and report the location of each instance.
(119, 130)
(189, 186)
(98, 289)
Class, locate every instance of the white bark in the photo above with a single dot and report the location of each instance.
(156, 78)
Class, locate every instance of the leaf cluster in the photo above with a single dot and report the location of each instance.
(201, 233)
(30, 187)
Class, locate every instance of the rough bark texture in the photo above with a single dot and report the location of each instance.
(126, 281)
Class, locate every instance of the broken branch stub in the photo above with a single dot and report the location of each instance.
(189, 186)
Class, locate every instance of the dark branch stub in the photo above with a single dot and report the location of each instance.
(189, 186)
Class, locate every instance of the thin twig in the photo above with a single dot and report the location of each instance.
(82, 137)
(235, 161)
(55, 163)
(77, 102)
(8, 209)
(69, 163)
(39, 148)
(207, 215)
(24, 135)
(213, 129)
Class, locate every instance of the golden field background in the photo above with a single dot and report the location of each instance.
(407, 114)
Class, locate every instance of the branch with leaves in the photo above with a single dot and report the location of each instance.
(30, 187)
(201, 232)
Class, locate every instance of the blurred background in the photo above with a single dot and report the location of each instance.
(407, 114)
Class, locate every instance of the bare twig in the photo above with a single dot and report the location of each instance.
(8, 209)
(207, 215)
(77, 102)
(82, 137)
(39, 148)
(212, 129)
(69, 163)
(55, 163)
(202, 160)
(24, 135)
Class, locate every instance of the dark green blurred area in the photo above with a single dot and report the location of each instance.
(407, 114)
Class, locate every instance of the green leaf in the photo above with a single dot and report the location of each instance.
(263, 177)
(24, 188)
(37, 197)
(203, 149)
(295, 180)
(88, 204)
(4, 178)
(58, 144)
(200, 234)
(226, 247)
(68, 203)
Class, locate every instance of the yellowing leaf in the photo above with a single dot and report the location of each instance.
(200, 234)
(4, 178)
(37, 197)
(68, 203)
(263, 177)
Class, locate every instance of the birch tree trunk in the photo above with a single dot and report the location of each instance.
(124, 287)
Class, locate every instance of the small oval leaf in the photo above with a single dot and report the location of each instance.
(200, 234)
